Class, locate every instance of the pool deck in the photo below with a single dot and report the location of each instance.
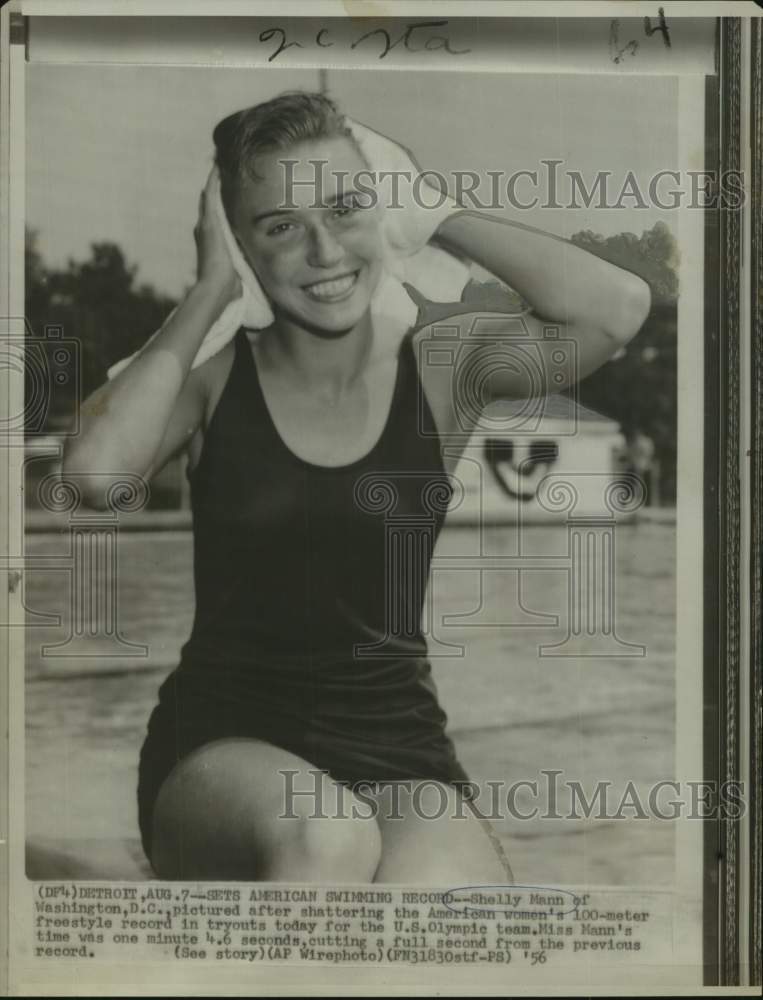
(512, 713)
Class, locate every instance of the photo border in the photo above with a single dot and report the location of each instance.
(725, 571)
(755, 795)
(722, 512)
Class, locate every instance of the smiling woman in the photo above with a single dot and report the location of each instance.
(326, 247)
(304, 697)
(289, 248)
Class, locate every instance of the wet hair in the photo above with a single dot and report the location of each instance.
(292, 117)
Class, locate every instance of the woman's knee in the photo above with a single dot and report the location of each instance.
(332, 849)
(221, 814)
(326, 835)
(434, 838)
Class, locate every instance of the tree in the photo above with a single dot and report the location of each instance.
(97, 303)
(637, 387)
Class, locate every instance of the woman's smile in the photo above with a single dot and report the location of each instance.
(333, 289)
(319, 264)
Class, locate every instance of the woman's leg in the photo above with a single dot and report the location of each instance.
(217, 817)
(432, 836)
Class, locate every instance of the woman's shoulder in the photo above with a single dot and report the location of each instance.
(477, 297)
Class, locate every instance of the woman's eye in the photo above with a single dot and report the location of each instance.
(279, 228)
(348, 208)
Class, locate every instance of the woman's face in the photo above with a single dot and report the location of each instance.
(319, 259)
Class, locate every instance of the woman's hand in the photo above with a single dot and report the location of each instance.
(214, 268)
(413, 207)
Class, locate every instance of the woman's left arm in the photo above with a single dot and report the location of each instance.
(601, 306)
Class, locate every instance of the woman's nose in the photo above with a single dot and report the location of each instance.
(325, 250)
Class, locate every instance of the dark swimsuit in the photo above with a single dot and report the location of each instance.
(310, 585)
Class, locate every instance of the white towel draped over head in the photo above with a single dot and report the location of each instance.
(435, 273)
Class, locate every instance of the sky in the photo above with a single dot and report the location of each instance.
(120, 153)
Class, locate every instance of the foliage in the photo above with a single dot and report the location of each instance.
(638, 386)
(98, 303)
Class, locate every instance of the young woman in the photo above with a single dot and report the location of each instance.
(299, 440)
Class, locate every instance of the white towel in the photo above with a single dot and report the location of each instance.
(435, 273)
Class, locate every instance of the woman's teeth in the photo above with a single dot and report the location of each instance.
(330, 291)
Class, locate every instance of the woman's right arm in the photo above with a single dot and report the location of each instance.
(133, 423)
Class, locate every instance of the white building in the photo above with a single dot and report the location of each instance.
(524, 451)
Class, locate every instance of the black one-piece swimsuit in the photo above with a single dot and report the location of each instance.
(310, 585)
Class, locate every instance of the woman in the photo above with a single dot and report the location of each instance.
(300, 441)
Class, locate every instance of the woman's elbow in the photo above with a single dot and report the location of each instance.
(73, 462)
(634, 305)
(77, 471)
(89, 475)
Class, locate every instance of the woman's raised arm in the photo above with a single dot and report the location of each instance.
(599, 305)
(152, 407)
